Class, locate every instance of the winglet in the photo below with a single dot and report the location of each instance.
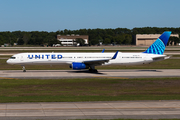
(115, 55)
(103, 50)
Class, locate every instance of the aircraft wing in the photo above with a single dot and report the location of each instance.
(99, 62)
(96, 62)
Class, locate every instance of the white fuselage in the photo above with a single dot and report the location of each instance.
(69, 58)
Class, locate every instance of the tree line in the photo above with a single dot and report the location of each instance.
(121, 36)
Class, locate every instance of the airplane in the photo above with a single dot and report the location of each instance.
(78, 61)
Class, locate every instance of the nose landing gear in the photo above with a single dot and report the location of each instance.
(24, 69)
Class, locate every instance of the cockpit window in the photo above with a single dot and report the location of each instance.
(12, 57)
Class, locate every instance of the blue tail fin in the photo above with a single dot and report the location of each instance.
(159, 45)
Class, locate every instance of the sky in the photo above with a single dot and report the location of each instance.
(54, 15)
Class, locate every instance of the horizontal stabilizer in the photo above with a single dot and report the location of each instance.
(161, 58)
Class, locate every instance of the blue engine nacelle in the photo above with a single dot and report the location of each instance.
(78, 66)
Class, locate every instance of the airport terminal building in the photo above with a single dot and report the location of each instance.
(70, 40)
(148, 39)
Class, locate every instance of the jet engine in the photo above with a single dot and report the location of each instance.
(78, 66)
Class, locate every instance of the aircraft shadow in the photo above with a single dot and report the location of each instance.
(151, 70)
(84, 71)
(130, 70)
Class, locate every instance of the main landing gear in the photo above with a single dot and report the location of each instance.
(93, 70)
(24, 69)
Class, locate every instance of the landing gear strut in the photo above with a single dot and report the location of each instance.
(92, 69)
(24, 69)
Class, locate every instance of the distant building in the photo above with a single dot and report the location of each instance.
(70, 40)
(148, 39)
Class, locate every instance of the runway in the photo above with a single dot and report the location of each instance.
(59, 74)
(91, 110)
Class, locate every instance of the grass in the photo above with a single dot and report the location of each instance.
(176, 56)
(92, 89)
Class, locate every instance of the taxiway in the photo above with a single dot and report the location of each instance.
(58, 74)
(91, 110)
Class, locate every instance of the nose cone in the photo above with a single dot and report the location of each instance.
(8, 61)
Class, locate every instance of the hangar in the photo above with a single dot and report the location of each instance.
(70, 40)
(148, 39)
